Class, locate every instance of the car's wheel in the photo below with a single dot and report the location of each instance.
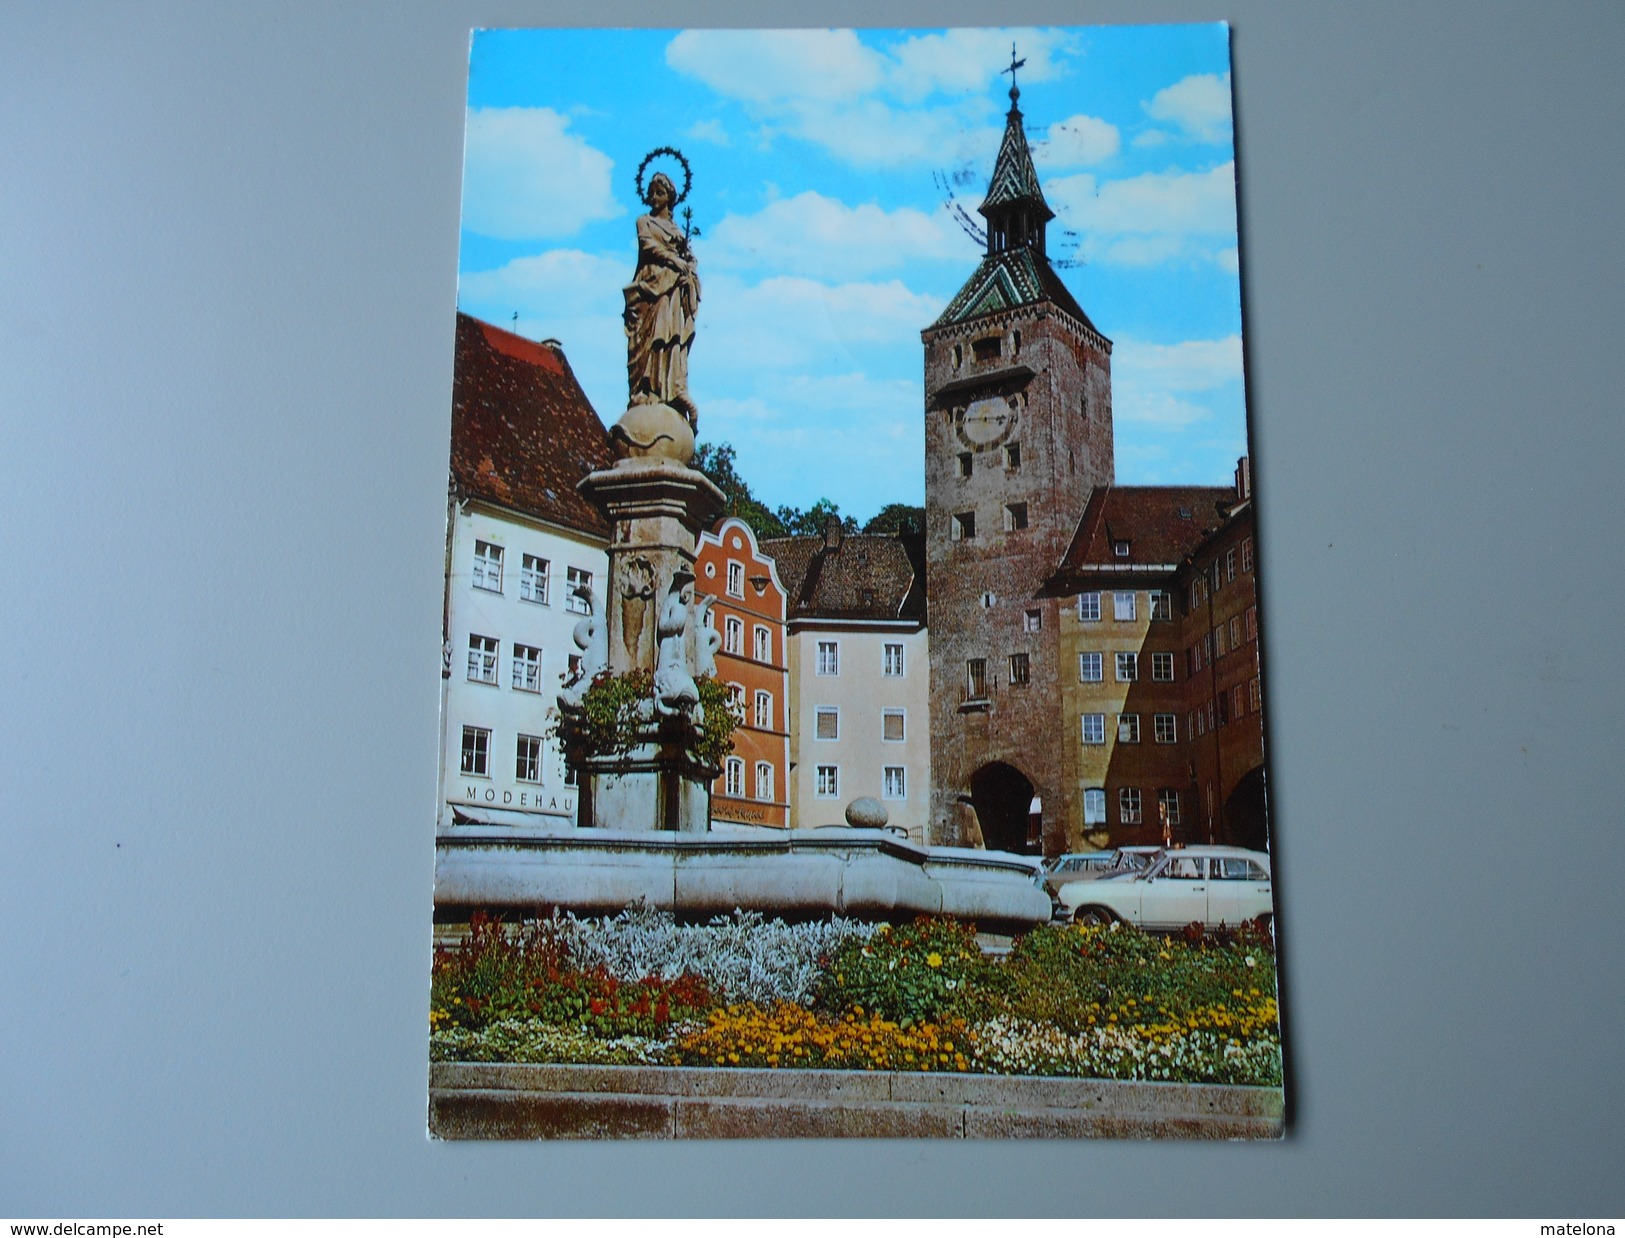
(1093, 915)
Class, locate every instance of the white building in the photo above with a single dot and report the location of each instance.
(860, 676)
(519, 539)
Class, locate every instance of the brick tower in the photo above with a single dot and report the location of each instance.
(1018, 428)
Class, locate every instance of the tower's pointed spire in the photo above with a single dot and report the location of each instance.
(1014, 208)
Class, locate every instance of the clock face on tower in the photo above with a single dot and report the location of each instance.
(986, 423)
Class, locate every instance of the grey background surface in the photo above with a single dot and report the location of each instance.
(227, 271)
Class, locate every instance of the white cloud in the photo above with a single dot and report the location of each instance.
(790, 321)
(709, 131)
(1152, 218)
(964, 61)
(526, 176)
(1150, 138)
(767, 66)
(817, 236)
(1199, 105)
(826, 87)
(1174, 386)
(1077, 141)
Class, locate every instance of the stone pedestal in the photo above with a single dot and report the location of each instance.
(657, 507)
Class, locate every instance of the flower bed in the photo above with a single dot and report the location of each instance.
(638, 989)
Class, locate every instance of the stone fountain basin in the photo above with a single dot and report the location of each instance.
(869, 874)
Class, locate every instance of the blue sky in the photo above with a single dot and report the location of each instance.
(819, 159)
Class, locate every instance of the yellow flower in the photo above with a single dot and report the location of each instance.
(933, 959)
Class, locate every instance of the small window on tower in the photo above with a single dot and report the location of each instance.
(1012, 456)
(965, 459)
(1083, 405)
(1120, 549)
(1015, 343)
(1015, 516)
(987, 349)
(959, 355)
(964, 528)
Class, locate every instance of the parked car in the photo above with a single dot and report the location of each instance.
(1209, 885)
(1094, 865)
(1073, 866)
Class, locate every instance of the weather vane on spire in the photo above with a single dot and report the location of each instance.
(1015, 91)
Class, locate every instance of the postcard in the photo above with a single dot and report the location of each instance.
(852, 709)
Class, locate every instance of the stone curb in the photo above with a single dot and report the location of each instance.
(499, 1100)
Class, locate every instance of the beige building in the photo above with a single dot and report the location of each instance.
(859, 676)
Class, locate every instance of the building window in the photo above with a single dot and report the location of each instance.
(1089, 668)
(1094, 806)
(1033, 621)
(1089, 607)
(1020, 669)
(988, 599)
(1128, 805)
(733, 635)
(1168, 806)
(1162, 604)
(1165, 727)
(965, 459)
(959, 355)
(1238, 701)
(1255, 695)
(763, 717)
(572, 668)
(964, 527)
(736, 701)
(1128, 667)
(482, 659)
(829, 782)
(1120, 549)
(894, 783)
(527, 763)
(764, 643)
(1162, 668)
(577, 578)
(1235, 632)
(891, 661)
(1252, 623)
(1128, 728)
(1220, 647)
(828, 722)
(1230, 564)
(892, 725)
(733, 777)
(1012, 456)
(1123, 607)
(976, 678)
(533, 579)
(1094, 728)
(829, 657)
(764, 781)
(1214, 574)
(488, 566)
(477, 751)
(987, 348)
(1015, 517)
(571, 778)
(1200, 725)
(527, 668)
(736, 579)
(1247, 554)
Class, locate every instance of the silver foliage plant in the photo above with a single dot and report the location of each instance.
(743, 957)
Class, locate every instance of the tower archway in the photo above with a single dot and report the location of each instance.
(1003, 798)
(1245, 818)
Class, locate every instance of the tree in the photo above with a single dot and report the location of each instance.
(716, 461)
(813, 520)
(895, 518)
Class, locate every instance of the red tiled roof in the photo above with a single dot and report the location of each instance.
(859, 576)
(522, 431)
(1161, 524)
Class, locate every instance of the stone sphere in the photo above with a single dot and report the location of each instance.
(867, 813)
(655, 431)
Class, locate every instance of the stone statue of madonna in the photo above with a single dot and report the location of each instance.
(661, 302)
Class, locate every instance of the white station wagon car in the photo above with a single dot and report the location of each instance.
(1209, 885)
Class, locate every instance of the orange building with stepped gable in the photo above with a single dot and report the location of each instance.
(749, 612)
